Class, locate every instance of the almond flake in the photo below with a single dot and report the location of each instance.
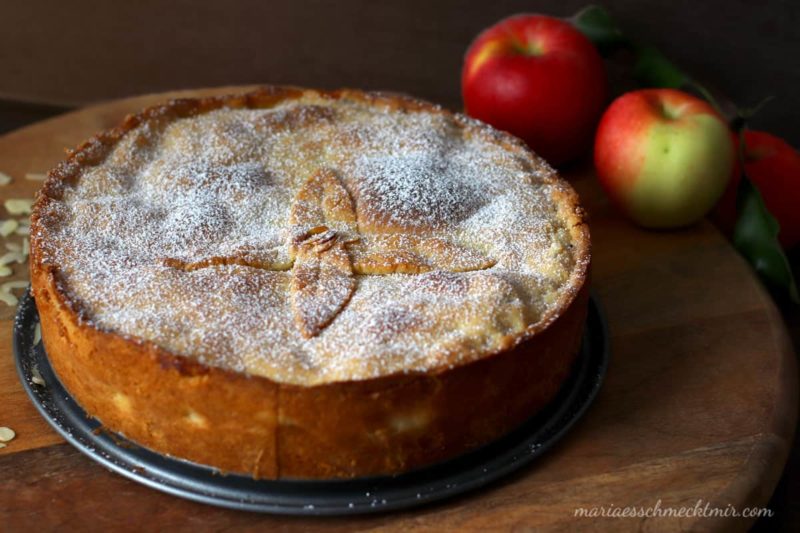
(26, 246)
(35, 176)
(7, 227)
(6, 434)
(5, 271)
(2, 445)
(36, 377)
(12, 285)
(37, 336)
(5, 179)
(13, 246)
(19, 206)
(9, 299)
(12, 257)
(23, 230)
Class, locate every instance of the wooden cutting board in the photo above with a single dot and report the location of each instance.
(700, 401)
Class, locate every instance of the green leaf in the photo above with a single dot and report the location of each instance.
(596, 24)
(756, 237)
(653, 69)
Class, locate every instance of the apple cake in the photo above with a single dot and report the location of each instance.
(294, 283)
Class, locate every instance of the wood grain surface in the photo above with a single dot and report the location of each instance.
(699, 403)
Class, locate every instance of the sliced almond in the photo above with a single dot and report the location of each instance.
(2, 445)
(9, 299)
(37, 336)
(7, 227)
(5, 179)
(35, 176)
(36, 376)
(26, 246)
(5, 271)
(12, 257)
(13, 246)
(23, 230)
(19, 206)
(6, 434)
(9, 286)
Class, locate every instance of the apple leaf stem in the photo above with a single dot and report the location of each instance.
(744, 114)
(755, 234)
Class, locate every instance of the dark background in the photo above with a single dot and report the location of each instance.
(71, 53)
(58, 55)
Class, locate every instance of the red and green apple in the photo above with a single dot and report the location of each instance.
(663, 156)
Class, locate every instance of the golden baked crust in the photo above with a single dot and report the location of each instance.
(295, 283)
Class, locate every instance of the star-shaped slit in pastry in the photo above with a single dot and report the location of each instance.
(326, 251)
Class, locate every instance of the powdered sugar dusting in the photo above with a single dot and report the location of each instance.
(221, 185)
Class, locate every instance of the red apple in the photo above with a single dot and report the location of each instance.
(774, 167)
(663, 156)
(540, 79)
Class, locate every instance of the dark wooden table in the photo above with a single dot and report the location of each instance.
(621, 270)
